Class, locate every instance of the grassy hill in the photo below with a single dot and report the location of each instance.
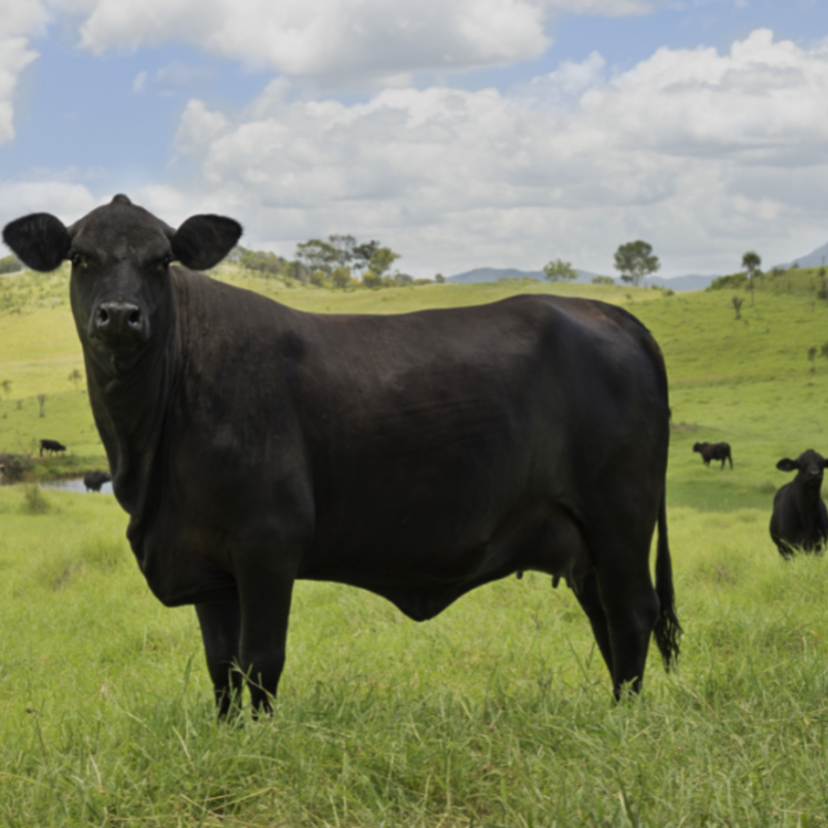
(496, 713)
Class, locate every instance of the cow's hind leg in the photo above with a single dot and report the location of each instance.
(631, 606)
(220, 629)
(590, 601)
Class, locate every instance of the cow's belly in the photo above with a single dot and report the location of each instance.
(422, 575)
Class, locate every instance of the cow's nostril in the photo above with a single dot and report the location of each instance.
(135, 317)
(103, 316)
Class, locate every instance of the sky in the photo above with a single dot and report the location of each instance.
(461, 133)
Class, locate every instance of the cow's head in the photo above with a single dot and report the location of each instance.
(809, 464)
(120, 256)
(698, 446)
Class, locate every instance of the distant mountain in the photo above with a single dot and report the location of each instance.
(493, 274)
(815, 259)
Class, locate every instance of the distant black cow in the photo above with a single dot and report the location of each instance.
(800, 519)
(714, 451)
(51, 446)
(93, 480)
(418, 455)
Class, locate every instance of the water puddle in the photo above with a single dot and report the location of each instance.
(74, 484)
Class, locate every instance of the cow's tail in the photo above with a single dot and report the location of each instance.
(667, 630)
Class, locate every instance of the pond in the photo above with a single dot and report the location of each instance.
(74, 484)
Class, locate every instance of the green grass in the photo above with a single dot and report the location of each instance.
(498, 712)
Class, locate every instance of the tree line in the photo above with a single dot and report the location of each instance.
(339, 261)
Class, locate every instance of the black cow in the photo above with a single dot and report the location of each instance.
(799, 519)
(93, 480)
(51, 446)
(714, 451)
(417, 456)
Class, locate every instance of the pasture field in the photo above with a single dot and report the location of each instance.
(496, 713)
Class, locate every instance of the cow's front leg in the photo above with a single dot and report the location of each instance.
(265, 574)
(220, 629)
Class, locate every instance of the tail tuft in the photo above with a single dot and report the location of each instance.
(667, 630)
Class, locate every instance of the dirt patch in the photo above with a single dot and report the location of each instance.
(679, 428)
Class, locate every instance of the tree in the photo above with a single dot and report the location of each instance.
(262, 261)
(75, 376)
(560, 271)
(822, 292)
(316, 254)
(344, 246)
(6, 386)
(751, 262)
(439, 278)
(341, 276)
(380, 263)
(319, 278)
(603, 280)
(363, 253)
(382, 260)
(41, 398)
(634, 260)
(737, 306)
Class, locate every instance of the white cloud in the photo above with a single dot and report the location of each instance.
(342, 41)
(334, 40)
(700, 153)
(18, 22)
(65, 199)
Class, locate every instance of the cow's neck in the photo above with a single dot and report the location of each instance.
(129, 409)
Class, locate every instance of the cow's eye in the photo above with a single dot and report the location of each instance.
(165, 262)
(76, 259)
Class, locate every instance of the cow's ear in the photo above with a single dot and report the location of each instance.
(787, 465)
(203, 241)
(40, 240)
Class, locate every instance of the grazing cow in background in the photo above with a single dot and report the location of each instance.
(800, 520)
(93, 480)
(51, 446)
(714, 451)
(417, 456)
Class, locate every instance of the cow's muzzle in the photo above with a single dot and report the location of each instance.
(119, 321)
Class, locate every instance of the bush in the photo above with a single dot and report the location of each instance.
(735, 280)
(34, 501)
(10, 264)
(15, 467)
(603, 280)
